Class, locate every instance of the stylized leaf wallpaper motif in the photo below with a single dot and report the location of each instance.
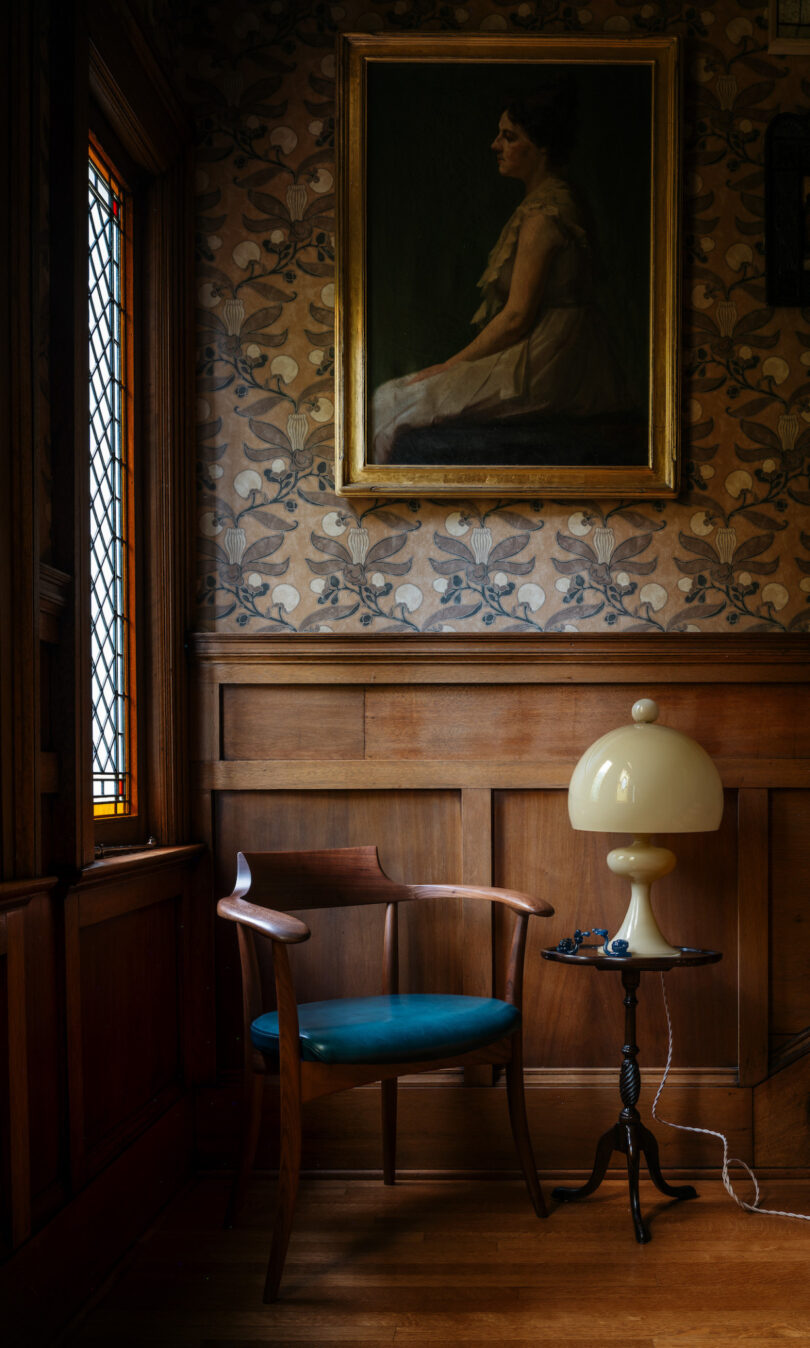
(279, 551)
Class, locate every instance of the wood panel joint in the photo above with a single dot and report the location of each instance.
(753, 933)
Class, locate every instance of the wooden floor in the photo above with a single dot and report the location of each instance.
(464, 1262)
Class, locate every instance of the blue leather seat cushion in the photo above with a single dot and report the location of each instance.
(400, 1028)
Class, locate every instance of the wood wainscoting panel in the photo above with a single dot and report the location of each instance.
(260, 721)
(130, 1015)
(129, 967)
(5, 1102)
(17, 1062)
(454, 754)
(753, 887)
(446, 1128)
(789, 913)
(575, 1015)
(65, 1263)
(418, 834)
(782, 1118)
(557, 722)
(47, 1076)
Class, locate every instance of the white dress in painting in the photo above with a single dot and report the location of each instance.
(564, 366)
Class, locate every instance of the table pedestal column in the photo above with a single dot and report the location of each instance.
(628, 1134)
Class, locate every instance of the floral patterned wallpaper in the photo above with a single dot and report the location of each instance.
(279, 552)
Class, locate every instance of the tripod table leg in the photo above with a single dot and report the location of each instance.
(650, 1148)
(606, 1145)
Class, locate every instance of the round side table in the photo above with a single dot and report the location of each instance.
(628, 1134)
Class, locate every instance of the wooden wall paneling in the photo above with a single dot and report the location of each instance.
(420, 839)
(47, 1074)
(15, 898)
(782, 1118)
(204, 735)
(290, 722)
(202, 816)
(74, 1041)
(19, 1145)
(557, 723)
(5, 1102)
(131, 1030)
(447, 1129)
(631, 659)
(126, 951)
(536, 851)
(54, 597)
(167, 430)
(453, 774)
(753, 934)
(789, 914)
(207, 698)
(9, 21)
(198, 980)
(477, 919)
(20, 558)
(697, 905)
(496, 725)
(476, 869)
(56, 1271)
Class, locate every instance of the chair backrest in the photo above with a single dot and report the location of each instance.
(336, 877)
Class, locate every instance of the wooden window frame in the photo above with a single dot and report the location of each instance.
(106, 74)
(130, 92)
(110, 161)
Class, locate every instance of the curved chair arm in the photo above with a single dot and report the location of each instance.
(278, 926)
(512, 898)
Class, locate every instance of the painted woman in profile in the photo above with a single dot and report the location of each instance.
(542, 347)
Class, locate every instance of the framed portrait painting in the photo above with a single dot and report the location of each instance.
(507, 304)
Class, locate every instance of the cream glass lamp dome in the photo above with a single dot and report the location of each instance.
(642, 779)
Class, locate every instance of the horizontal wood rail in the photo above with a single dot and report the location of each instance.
(458, 659)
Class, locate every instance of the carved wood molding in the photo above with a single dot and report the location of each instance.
(17, 893)
(136, 864)
(122, 66)
(776, 658)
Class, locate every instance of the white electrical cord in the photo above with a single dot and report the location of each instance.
(727, 1161)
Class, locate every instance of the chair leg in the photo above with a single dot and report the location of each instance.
(289, 1170)
(254, 1089)
(389, 1129)
(520, 1126)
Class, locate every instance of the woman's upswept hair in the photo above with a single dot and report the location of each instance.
(548, 115)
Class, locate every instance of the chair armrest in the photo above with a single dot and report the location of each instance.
(278, 926)
(512, 898)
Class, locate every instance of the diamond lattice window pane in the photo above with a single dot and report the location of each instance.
(107, 319)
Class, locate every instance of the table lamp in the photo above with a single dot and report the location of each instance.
(642, 779)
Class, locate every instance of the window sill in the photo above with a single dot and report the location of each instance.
(128, 863)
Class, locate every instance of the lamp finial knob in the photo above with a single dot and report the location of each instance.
(645, 711)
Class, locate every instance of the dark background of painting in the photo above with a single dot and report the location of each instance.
(436, 203)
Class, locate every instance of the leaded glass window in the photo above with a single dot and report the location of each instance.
(112, 633)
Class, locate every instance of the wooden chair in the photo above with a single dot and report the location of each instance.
(318, 1048)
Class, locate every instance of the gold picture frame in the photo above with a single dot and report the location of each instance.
(421, 198)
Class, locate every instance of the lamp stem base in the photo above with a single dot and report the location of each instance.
(642, 863)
